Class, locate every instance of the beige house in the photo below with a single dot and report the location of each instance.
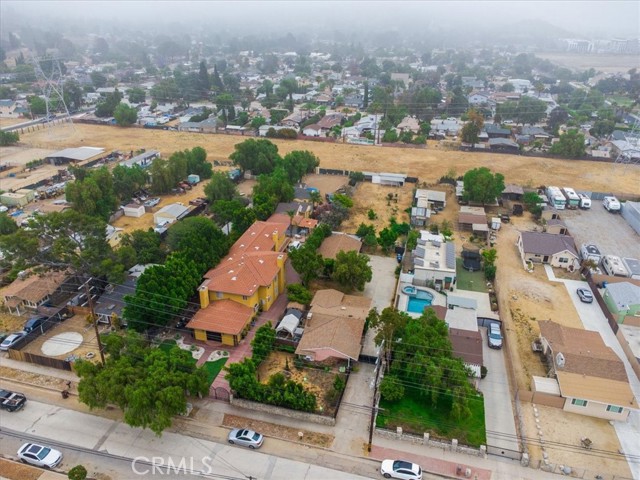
(548, 248)
(590, 377)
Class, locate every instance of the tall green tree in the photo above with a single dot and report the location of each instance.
(298, 163)
(482, 186)
(92, 193)
(220, 187)
(128, 180)
(259, 156)
(199, 239)
(570, 145)
(107, 106)
(352, 270)
(149, 385)
(125, 115)
(7, 224)
(307, 263)
(147, 246)
(136, 95)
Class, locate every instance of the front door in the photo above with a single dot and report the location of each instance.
(545, 259)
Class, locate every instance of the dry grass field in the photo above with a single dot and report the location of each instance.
(429, 164)
(606, 63)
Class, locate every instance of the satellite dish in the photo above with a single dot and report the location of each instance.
(560, 360)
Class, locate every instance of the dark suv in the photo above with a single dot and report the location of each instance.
(33, 323)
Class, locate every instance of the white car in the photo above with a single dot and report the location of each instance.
(10, 341)
(401, 469)
(39, 455)
(245, 437)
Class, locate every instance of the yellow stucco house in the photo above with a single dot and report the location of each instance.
(247, 281)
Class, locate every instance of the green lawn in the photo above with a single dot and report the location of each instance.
(416, 415)
(212, 368)
(467, 280)
(621, 100)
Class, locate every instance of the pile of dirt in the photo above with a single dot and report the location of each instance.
(279, 431)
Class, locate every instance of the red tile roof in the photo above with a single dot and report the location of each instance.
(243, 274)
(259, 237)
(222, 316)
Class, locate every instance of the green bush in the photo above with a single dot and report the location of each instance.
(298, 293)
(77, 473)
(490, 272)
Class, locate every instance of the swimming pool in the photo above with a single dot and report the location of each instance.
(418, 302)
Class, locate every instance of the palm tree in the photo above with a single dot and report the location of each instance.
(315, 198)
(291, 213)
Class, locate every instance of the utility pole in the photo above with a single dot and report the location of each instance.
(374, 406)
(93, 318)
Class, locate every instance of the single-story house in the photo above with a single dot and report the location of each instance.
(513, 192)
(555, 250)
(208, 125)
(503, 144)
(339, 242)
(313, 130)
(470, 216)
(334, 327)
(143, 160)
(434, 260)
(496, 131)
(467, 346)
(623, 301)
(591, 378)
(409, 124)
(434, 198)
(170, 214)
(29, 292)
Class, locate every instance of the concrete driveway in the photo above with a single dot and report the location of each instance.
(382, 287)
(593, 319)
(498, 409)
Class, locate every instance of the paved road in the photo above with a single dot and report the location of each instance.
(101, 443)
(593, 319)
(498, 409)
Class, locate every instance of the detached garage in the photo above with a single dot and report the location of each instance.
(133, 210)
(170, 214)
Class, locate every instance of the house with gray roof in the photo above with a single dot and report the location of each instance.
(555, 250)
(434, 261)
(623, 301)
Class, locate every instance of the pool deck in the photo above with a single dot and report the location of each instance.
(403, 298)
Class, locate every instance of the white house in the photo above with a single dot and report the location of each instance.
(555, 250)
(434, 261)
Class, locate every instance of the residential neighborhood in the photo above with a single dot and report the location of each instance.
(366, 255)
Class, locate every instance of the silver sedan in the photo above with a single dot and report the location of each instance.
(245, 438)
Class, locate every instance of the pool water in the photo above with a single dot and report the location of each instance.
(419, 302)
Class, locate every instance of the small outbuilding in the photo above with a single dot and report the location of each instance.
(134, 210)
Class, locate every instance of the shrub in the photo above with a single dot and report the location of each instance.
(490, 272)
(77, 473)
(298, 293)
(371, 214)
(483, 371)
(391, 388)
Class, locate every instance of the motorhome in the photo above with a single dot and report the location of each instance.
(585, 202)
(611, 204)
(573, 200)
(613, 266)
(556, 199)
(590, 252)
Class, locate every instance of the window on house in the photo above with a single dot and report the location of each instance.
(219, 294)
(578, 402)
(614, 409)
(256, 307)
(244, 297)
(563, 260)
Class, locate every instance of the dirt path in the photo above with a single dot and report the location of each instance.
(429, 164)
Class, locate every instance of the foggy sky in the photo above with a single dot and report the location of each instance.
(590, 19)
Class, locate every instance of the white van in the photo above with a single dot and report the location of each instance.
(611, 204)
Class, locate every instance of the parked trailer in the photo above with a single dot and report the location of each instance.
(556, 199)
(613, 266)
(611, 204)
(585, 201)
(573, 200)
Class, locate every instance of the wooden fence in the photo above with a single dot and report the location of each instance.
(39, 360)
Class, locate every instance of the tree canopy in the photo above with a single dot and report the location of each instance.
(92, 193)
(352, 270)
(259, 156)
(570, 145)
(220, 187)
(482, 186)
(149, 385)
(125, 115)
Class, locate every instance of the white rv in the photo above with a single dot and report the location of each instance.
(573, 200)
(590, 252)
(611, 204)
(556, 199)
(613, 266)
(585, 202)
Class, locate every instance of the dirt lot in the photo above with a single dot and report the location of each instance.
(17, 158)
(624, 243)
(602, 63)
(315, 381)
(35, 379)
(429, 164)
(525, 298)
(77, 323)
(18, 471)
(11, 323)
(279, 431)
(368, 196)
(325, 183)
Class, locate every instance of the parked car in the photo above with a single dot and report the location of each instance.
(11, 340)
(494, 337)
(400, 469)
(39, 455)
(33, 323)
(245, 437)
(11, 401)
(585, 295)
